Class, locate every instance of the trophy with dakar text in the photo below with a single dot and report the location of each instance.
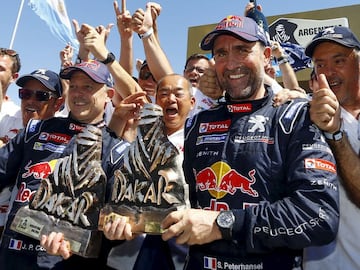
(150, 184)
(69, 199)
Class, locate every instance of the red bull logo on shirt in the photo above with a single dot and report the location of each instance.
(220, 179)
(39, 170)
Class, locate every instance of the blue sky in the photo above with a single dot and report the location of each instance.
(38, 48)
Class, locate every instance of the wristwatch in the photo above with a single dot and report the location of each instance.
(225, 221)
(337, 136)
(109, 58)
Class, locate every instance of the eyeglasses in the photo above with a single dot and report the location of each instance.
(12, 53)
(198, 69)
(144, 75)
(39, 95)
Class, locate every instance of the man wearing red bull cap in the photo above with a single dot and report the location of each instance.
(263, 178)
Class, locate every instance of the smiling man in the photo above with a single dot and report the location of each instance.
(250, 173)
(40, 94)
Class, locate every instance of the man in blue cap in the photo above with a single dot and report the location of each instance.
(40, 96)
(262, 179)
(335, 109)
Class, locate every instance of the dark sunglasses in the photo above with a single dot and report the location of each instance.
(144, 75)
(39, 95)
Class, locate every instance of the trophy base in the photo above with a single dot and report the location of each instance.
(141, 221)
(34, 224)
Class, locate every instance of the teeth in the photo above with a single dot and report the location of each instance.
(79, 103)
(31, 109)
(236, 76)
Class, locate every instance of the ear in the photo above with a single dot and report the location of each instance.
(193, 102)
(267, 55)
(14, 76)
(58, 103)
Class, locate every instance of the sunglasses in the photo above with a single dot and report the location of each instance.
(38, 94)
(144, 75)
(12, 53)
(9, 52)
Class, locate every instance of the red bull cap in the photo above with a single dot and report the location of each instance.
(95, 70)
(240, 27)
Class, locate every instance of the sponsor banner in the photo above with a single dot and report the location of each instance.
(301, 31)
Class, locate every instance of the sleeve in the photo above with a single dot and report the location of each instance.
(188, 174)
(307, 211)
(10, 160)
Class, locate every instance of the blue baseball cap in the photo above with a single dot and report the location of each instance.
(338, 34)
(237, 26)
(50, 79)
(95, 70)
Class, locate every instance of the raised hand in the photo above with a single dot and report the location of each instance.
(324, 107)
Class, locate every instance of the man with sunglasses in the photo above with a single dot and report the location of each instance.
(40, 95)
(40, 99)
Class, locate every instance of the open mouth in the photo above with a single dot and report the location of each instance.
(30, 109)
(171, 111)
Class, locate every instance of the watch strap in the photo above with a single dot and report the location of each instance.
(109, 58)
(146, 34)
(336, 136)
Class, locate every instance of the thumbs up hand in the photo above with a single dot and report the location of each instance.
(324, 107)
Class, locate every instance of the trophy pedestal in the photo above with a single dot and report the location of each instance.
(34, 224)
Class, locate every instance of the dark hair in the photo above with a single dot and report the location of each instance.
(196, 56)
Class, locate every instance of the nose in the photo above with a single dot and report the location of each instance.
(329, 70)
(171, 97)
(231, 61)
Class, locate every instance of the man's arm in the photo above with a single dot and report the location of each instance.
(123, 22)
(143, 23)
(325, 113)
(348, 166)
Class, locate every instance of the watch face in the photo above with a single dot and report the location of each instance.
(226, 219)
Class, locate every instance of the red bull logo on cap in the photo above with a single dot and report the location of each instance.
(230, 21)
(220, 179)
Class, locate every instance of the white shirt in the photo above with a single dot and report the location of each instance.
(202, 102)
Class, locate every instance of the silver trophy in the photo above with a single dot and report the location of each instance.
(151, 183)
(70, 198)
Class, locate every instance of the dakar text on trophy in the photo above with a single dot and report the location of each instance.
(70, 198)
(151, 183)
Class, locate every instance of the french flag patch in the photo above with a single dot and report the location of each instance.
(210, 263)
(15, 244)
